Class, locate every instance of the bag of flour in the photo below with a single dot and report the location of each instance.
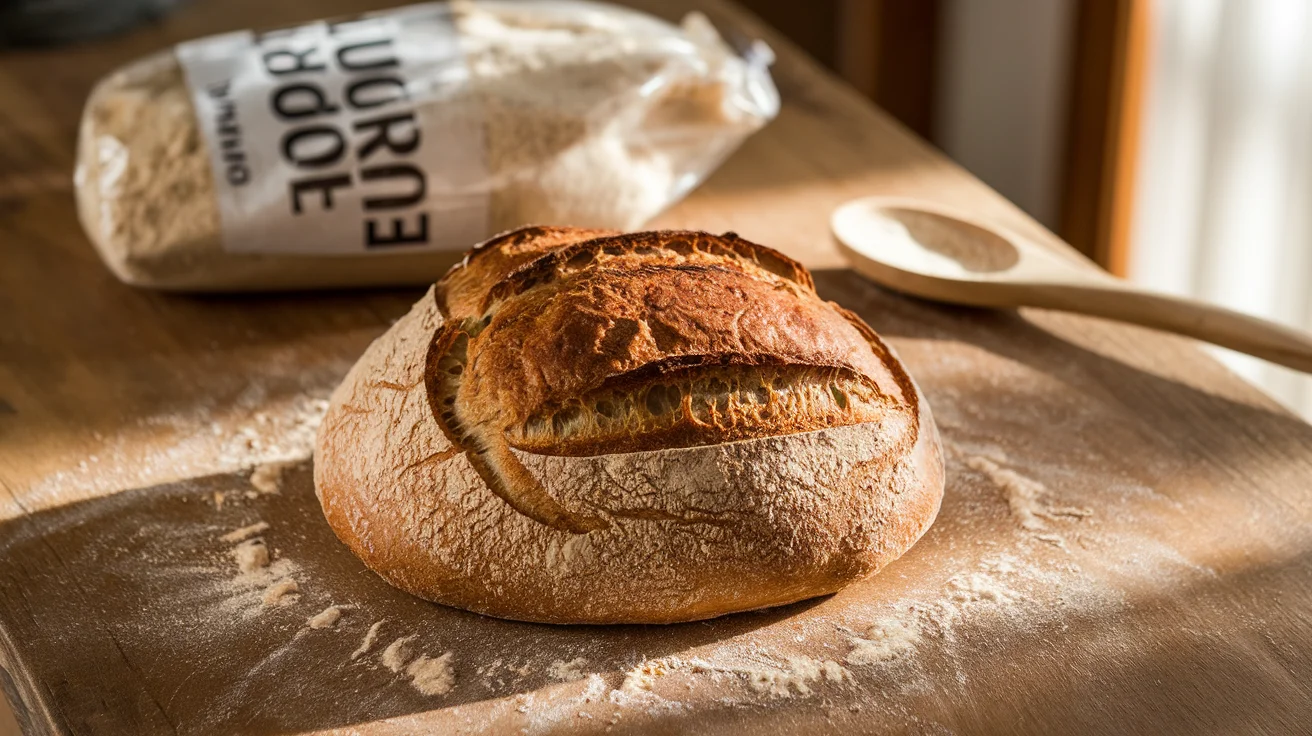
(375, 150)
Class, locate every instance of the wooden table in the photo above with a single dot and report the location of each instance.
(1125, 544)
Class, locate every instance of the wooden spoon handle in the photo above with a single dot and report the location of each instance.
(1262, 338)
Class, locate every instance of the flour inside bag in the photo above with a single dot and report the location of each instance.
(375, 150)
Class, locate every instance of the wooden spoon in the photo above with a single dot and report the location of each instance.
(929, 251)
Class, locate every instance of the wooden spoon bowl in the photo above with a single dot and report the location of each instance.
(929, 251)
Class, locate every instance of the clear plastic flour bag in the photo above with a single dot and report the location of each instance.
(374, 150)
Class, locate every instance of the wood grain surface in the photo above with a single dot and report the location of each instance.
(1125, 545)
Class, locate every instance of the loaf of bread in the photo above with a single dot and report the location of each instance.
(580, 426)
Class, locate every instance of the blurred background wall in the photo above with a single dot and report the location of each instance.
(1169, 140)
(1224, 176)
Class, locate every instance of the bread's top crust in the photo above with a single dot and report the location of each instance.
(460, 292)
(576, 342)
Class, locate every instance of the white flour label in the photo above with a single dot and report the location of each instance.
(331, 138)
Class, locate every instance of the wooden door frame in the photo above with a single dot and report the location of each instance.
(1104, 114)
(888, 49)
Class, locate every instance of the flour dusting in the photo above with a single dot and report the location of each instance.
(886, 640)
(1026, 500)
(643, 676)
(567, 671)
(798, 675)
(256, 428)
(428, 675)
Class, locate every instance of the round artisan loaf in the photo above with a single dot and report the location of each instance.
(578, 426)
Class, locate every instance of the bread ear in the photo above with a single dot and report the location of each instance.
(905, 385)
(485, 446)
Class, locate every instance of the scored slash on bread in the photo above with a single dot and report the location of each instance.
(567, 342)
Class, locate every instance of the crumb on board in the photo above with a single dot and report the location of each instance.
(281, 593)
(369, 638)
(432, 675)
(244, 533)
(397, 654)
(325, 619)
(428, 675)
(267, 477)
(251, 555)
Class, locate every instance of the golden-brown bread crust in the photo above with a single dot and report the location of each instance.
(462, 289)
(587, 427)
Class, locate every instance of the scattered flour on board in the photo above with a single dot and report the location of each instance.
(799, 674)
(999, 589)
(368, 643)
(251, 431)
(258, 579)
(558, 706)
(325, 619)
(567, 671)
(1025, 498)
(498, 672)
(887, 639)
(644, 675)
(261, 582)
(987, 590)
(275, 437)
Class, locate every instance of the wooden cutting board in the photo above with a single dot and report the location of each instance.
(1125, 543)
